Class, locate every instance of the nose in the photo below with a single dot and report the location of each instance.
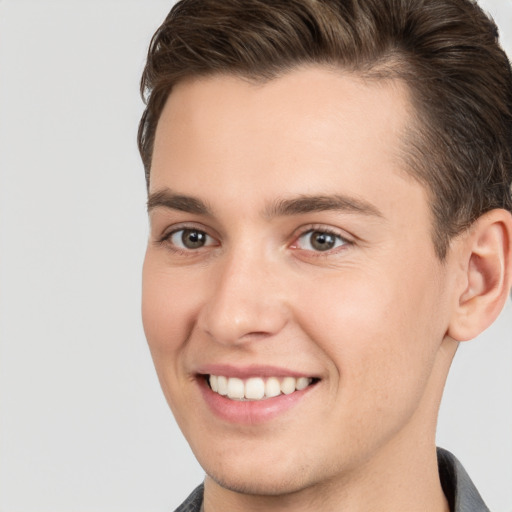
(245, 303)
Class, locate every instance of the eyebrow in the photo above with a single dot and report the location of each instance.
(309, 204)
(300, 205)
(168, 199)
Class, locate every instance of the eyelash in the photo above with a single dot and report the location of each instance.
(167, 240)
(323, 231)
(310, 230)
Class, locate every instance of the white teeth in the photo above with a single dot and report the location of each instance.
(222, 385)
(272, 387)
(256, 388)
(236, 388)
(302, 383)
(288, 385)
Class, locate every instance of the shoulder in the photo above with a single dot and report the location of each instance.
(460, 491)
(194, 502)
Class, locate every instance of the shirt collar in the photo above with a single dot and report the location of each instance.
(458, 488)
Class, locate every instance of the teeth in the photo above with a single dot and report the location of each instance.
(256, 388)
(236, 388)
(272, 387)
(222, 385)
(302, 383)
(288, 385)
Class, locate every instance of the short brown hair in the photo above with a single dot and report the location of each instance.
(447, 51)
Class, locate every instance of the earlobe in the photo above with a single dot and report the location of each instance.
(486, 262)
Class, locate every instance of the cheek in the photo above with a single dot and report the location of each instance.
(168, 302)
(167, 308)
(379, 330)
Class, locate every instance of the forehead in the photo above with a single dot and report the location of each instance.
(312, 131)
(309, 97)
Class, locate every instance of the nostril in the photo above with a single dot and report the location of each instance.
(256, 335)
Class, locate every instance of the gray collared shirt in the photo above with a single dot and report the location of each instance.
(458, 488)
(460, 492)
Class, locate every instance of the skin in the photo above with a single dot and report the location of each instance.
(369, 318)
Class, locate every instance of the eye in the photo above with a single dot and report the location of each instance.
(190, 239)
(320, 241)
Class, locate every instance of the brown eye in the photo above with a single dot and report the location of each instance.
(190, 239)
(322, 241)
(319, 241)
(193, 239)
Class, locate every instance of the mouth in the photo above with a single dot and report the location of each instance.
(254, 395)
(255, 389)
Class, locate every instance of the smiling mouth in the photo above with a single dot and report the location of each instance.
(257, 388)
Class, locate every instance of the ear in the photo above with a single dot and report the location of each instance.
(484, 257)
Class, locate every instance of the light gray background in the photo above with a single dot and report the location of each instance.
(83, 424)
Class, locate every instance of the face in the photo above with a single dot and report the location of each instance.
(292, 300)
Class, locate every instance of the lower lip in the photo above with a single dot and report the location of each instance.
(250, 412)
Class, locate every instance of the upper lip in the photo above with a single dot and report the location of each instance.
(245, 372)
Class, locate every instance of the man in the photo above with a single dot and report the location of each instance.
(330, 204)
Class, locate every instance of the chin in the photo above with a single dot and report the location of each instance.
(259, 477)
(259, 485)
